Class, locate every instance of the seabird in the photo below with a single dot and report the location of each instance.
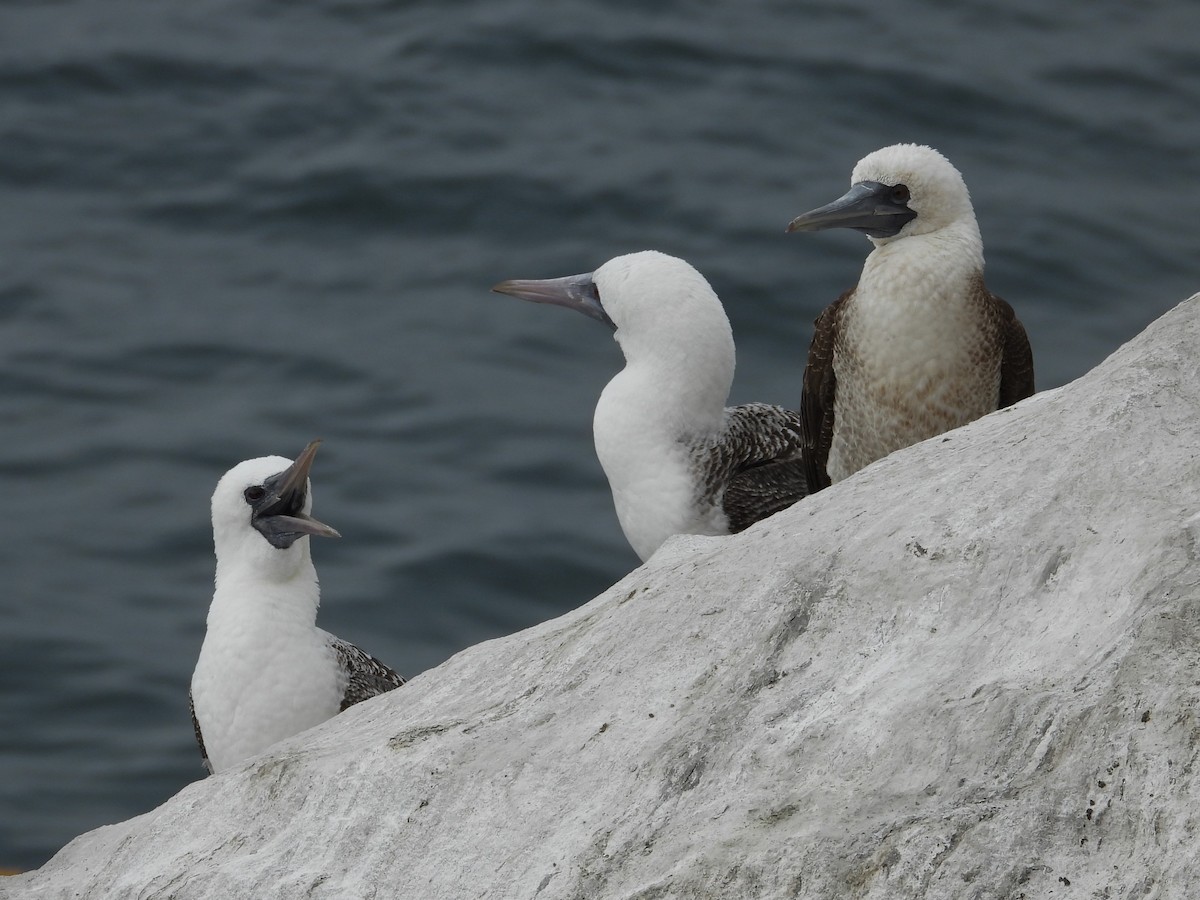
(266, 671)
(678, 461)
(920, 345)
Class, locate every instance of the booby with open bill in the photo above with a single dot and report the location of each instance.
(677, 460)
(266, 671)
(920, 345)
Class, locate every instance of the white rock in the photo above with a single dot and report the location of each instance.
(968, 671)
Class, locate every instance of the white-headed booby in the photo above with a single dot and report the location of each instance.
(677, 460)
(266, 671)
(919, 346)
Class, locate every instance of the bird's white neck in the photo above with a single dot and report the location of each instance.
(914, 296)
(648, 419)
(923, 265)
(278, 590)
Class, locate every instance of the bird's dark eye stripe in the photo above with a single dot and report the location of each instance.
(254, 494)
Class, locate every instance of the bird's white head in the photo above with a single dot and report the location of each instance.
(898, 191)
(937, 193)
(261, 515)
(660, 304)
(660, 308)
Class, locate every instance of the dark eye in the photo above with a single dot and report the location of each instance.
(900, 193)
(254, 494)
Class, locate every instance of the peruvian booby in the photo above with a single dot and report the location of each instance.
(919, 346)
(677, 460)
(266, 671)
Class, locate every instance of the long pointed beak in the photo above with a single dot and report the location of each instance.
(297, 524)
(295, 477)
(290, 488)
(868, 207)
(577, 292)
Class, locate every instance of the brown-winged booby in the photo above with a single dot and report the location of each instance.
(677, 460)
(266, 672)
(920, 345)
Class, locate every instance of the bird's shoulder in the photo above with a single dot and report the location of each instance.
(199, 735)
(759, 433)
(755, 467)
(365, 675)
(1016, 361)
(819, 388)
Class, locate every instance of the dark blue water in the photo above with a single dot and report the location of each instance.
(227, 228)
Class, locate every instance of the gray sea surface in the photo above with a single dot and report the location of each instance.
(227, 228)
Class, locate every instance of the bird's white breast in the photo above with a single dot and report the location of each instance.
(264, 673)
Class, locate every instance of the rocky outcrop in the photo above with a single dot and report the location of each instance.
(970, 671)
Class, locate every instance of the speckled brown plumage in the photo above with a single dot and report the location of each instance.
(998, 331)
(756, 469)
(366, 676)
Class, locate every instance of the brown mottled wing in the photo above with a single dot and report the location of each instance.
(366, 676)
(816, 401)
(758, 461)
(1016, 367)
(199, 736)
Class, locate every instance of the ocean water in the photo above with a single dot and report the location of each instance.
(229, 228)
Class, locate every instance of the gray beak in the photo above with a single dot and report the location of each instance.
(875, 209)
(577, 292)
(280, 516)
